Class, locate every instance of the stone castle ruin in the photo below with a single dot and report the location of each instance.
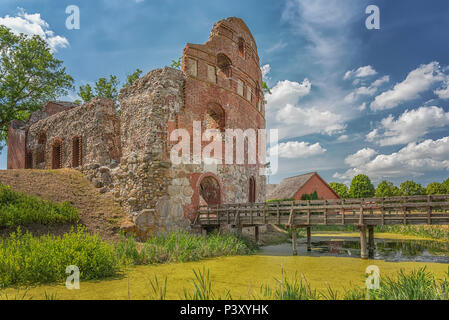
(128, 155)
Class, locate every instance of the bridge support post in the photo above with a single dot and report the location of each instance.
(294, 240)
(363, 251)
(371, 245)
(256, 234)
(309, 239)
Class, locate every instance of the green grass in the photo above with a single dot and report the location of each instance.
(27, 260)
(181, 247)
(431, 232)
(21, 210)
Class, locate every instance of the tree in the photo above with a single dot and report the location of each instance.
(411, 188)
(387, 189)
(361, 187)
(340, 188)
(105, 88)
(445, 185)
(265, 88)
(29, 76)
(435, 188)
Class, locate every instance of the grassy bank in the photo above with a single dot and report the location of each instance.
(181, 247)
(18, 209)
(27, 260)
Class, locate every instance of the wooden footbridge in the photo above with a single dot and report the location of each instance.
(365, 214)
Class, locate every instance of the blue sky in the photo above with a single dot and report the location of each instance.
(346, 99)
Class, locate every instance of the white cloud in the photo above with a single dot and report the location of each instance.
(288, 92)
(361, 72)
(411, 161)
(343, 138)
(409, 126)
(417, 82)
(295, 149)
(380, 81)
(33, 24)
(360, 157)
(443, 92)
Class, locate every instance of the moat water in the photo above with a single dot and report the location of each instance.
(391, 250)
(334, 261)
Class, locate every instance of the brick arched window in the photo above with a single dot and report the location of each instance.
(29, 160)
(42, 141)
(224, 64)
(215, 117)
(252, 190)
(210, 191)
(56, 154)
(77, 152)
(241, 46)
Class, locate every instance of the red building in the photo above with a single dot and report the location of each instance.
(296, 187)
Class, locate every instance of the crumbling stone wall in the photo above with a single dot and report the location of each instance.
(97, 126)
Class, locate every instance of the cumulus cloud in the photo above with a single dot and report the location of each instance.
(409, 126)
(361, 72)
(33, 24)
(418, 81)
(296, 149)
(443, 92)
(293, 120)
(360, 157)
(413, 160)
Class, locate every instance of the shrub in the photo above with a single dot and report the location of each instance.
(20, 210)
(25, 259)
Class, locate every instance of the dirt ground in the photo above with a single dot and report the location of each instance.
(98, 212)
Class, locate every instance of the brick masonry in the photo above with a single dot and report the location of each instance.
(219, 86)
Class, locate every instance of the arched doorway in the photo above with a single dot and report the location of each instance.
(57, 155)
(210, 193)
(252, 190)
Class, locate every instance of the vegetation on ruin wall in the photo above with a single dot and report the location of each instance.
(26, 260)
(20, 210)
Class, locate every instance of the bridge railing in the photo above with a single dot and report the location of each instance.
(413, 210)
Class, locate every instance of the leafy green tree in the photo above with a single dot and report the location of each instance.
(435, 188)
(340, 188)
(445, 185)
(103, 88)
(387, 189)
(29, 76)
(361, 187)
(107, 88)
(411, 188)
